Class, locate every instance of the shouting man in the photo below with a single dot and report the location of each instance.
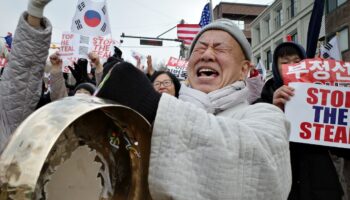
(209, 143)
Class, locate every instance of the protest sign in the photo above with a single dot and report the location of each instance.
(75, 46)
(322, 71)
(178, 67)
(3, 62)
(102, 46)
(319, 115)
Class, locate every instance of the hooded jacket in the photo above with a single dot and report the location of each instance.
(274, 83)
(313, 173)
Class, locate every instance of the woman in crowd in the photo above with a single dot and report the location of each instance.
(165, 82)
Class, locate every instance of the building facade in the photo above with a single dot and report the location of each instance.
(242, 14)
(337, 23)
(271, 27)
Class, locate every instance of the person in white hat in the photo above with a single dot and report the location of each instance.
(210, 143)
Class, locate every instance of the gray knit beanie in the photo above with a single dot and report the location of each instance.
(229, 27)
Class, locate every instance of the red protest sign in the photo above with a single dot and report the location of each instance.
(177, 67)
(328, 72)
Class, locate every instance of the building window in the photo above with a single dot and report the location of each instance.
(292, 9)
(267, 24)
(257, 35)
(268, 60)
(279, 18)
(344, 39)
(333, 4)
(239, 23)
(258, 59)
(340, 2)
(294, 37)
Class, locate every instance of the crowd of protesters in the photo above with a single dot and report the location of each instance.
(231, 136)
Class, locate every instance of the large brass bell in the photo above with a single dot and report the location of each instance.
(78, 148)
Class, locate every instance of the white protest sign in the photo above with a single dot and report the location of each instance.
(75, 46)
(319, 115)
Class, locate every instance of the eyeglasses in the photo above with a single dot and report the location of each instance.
(165, 83)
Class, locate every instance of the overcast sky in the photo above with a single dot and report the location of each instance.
(133, 17)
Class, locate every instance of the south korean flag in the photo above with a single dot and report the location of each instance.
(91, 18)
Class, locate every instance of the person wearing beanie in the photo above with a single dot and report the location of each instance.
(309, 180)
(21, 82)
(85, 88)
(210, 143)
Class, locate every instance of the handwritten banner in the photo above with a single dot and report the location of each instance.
(328, 72)
(178, 67)
(319, 114)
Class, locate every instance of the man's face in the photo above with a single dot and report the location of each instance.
(289, 59)
(217, 60)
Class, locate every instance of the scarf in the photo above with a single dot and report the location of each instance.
(218, 100)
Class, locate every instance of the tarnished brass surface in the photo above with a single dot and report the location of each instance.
(86, 127)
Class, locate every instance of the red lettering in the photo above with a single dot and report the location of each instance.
(340, 135)
(347, 100)
(324, 96)
(66, 48)
(312, 99)
(67, 36)
(64, 42)
(305, 132)
(318, 128)
(337, 98)
(328, 132)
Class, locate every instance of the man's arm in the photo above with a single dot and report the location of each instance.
(245, 156)
(20, 86)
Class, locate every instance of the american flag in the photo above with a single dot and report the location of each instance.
(205, 18)
(187, 32)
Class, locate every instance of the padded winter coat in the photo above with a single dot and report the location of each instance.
(20, 85)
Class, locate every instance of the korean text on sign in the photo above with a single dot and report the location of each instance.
(328, 72)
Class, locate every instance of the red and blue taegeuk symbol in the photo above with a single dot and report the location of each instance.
(92, 18)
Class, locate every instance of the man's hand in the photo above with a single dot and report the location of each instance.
(150, 69)
(36, 7)
(80, 71)
(282, 95)
(138, 64)
(95, 62)
(56, 62)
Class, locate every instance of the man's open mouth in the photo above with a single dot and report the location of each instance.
(206, 72)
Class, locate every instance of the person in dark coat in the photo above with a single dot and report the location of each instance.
(313, 173)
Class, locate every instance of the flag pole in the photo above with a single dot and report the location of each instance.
(211, 11)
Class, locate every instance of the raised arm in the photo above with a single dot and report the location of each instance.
(20, 86)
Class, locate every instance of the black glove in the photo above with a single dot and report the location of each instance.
(80, 71)
(128, 86)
